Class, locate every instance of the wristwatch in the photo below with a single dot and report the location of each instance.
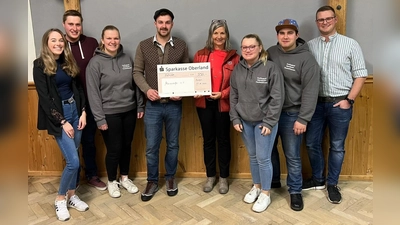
(63, 122)
(351, 101)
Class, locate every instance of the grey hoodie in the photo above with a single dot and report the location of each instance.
(257, 93)
(110, 85)
(301, 73)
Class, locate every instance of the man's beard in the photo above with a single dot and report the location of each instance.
(163, 35)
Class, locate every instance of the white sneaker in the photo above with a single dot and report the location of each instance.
(262, 203)
(128, 185)
(62, 210)
(78, 204)
(252, 195)
(113, 189)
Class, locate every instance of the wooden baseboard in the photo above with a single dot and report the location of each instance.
(196, 175)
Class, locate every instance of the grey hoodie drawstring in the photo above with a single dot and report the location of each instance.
(247, 75)
(115, 59)
(248, 70)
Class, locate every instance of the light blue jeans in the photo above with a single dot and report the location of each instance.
(69, 149)
(259, 148)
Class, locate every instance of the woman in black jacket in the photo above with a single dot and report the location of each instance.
(61, 112)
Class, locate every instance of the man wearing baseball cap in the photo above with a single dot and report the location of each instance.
(301, 74)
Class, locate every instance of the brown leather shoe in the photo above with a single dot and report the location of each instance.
(148, 193)
(172, 187)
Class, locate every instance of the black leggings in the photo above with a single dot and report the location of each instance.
(215, 127)
(118, 140)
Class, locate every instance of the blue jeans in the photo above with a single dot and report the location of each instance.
(69, 148)
(291, 144)
(88, 145)
(157, 114)
(276, 163)
(259, 148)
(338, 121)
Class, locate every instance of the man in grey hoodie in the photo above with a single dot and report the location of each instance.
(301, 75)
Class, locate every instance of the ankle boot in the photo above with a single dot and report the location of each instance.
(209, 185)
(223, 185)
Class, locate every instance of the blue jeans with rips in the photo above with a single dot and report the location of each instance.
(259, 148)
(338, 121)
(69, 148)
(159, 114)
(291, 145)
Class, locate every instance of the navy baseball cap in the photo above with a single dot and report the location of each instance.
(287, 23)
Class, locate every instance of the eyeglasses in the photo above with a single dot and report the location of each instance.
(218, 21)
(328, 19)
(251, 47)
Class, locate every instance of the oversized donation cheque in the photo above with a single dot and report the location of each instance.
(185, 79)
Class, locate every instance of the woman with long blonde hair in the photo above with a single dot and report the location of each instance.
(61, 112)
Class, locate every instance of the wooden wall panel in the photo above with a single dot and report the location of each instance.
(72, 4)
(45, 157)
(340, 7)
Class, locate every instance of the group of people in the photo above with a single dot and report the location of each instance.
(292, 88)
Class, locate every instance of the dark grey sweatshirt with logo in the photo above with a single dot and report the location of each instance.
(257, 93)
(110, 85)
(302, 76)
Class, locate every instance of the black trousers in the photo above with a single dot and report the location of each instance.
(88, 145)
(215, 127)
(118, 139)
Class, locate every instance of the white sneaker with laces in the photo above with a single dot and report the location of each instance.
(62, 210)
(262, 203)
(113, 189)
(128, 185)
(252, 195)
(76, 203)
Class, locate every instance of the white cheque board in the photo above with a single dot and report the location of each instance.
(185, 79)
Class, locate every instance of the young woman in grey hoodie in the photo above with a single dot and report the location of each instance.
(116, 103)
(256, 100)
